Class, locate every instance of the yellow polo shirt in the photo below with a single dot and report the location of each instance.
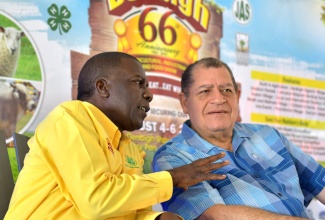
(80, 166)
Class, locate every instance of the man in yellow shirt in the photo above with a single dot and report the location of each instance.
(81, 166)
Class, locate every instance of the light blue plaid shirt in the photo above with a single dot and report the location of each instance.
(266, 171)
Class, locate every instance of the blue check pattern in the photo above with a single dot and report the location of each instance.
(266, 171)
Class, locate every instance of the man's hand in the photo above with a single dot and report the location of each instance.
(198, 171)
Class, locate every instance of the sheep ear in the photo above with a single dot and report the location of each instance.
(13, 85)
(22, 34)
(15, 91)
(2, 29)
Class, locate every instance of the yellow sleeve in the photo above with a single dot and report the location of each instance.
(97, 190)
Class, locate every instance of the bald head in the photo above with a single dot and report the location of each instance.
(104, 64)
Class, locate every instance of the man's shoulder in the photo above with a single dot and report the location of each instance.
(75, 109)
(171, 154)
(171, 143)
(175, 147)
(65, 106)
(66, 109)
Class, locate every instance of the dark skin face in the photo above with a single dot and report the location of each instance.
(124, 98)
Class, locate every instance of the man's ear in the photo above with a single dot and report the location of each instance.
(238, 95)
(102, 87)
(183, 101)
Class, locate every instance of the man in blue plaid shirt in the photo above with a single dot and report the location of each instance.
(268, 176)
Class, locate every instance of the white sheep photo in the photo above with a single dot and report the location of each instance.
(9, 50)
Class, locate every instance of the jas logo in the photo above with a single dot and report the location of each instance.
(130, 162)
(242, 11)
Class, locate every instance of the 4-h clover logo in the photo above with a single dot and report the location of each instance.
(59, 18)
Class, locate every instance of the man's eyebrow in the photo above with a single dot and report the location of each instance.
(137, 76)
(205, 86)
(225, 85)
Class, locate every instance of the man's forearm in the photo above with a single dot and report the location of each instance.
(232, 212)
(321, 196)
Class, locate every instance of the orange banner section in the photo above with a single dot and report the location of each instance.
(154, 33)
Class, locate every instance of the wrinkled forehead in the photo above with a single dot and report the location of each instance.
(202, 72)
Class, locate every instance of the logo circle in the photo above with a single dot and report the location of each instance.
(242, 11)
(21, 79)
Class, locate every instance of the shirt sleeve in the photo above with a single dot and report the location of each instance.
(189, 204)
(311, 173)
(97, 191)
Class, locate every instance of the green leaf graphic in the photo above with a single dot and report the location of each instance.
(65, 12)
(53, 10)
(59, 18)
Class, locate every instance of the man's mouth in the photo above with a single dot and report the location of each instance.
(145, 109)
(218, 112)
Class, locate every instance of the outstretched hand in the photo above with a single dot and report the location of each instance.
(198, 171)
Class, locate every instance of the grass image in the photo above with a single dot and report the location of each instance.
(23, 121)
(13, 162)
(28, 63)
(28, 66)
(13, 158)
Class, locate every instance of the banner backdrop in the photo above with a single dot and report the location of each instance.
(275, 48)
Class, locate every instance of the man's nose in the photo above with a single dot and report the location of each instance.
(148, 95)
(217, 98)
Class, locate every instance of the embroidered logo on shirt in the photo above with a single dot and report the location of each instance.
(130, 162)
(109, 146)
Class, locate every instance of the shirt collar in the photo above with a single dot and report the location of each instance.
(194, 140)
(112, 130)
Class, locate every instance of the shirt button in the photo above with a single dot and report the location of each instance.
(256, 176)
(280, 194)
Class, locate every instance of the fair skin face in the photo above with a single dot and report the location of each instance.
(212, 105)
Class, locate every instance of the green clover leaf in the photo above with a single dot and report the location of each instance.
(59, 19)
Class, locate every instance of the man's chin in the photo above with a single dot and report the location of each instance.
(137, 126)
(220, 128)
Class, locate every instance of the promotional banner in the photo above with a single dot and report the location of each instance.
(165, 36)
(279, 59)
(275, 48)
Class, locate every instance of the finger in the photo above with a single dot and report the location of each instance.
(213, 176)
(210, 159)
(215, 166)
(185, 188)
